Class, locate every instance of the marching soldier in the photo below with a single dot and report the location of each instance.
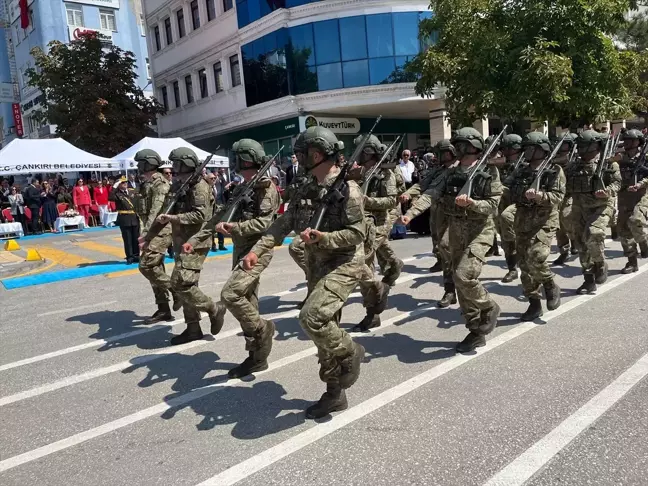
(592, 207)
(153, 191)
(632, 208)
(240, 293)
(565, 246)
(470, 232)
(335, 257)
(187, 217)
(536, 221)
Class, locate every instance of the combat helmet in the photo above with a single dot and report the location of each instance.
(373, 146)
(590, 141)
(184, 160)
(444, 146)
(634, 134)
(323, 140)
(249, 154)
(469, 135)
(299, 146)
(511, 141)
(537, 139)
(147, 160)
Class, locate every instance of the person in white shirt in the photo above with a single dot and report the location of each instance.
(407, 168)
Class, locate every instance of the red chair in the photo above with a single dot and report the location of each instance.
(111, 206)
(61, 208)
(28, 215)
(6, 214)
(94, 213)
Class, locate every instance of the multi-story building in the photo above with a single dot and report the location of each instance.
(267, 69)
(120, 21)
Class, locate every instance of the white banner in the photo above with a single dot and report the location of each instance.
(99, 3)
(336, 125)
(54, 168)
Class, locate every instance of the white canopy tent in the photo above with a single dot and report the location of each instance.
(164, 146)
(35, 156)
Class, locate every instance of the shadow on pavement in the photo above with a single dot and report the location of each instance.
(406, 349)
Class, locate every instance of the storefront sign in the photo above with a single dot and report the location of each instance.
(336, 125)
(17, 116)
(99, 3)
(76, 32)
(7, 93)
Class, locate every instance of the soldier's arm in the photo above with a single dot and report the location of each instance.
(555, 195)
(199, 212)
(414, 191)
(489, 205)
(267, 209)
(615, 180)
(354, 232)
(207, 229)
(160, 191)
(384, 203)
(433, 193)
(278, 230)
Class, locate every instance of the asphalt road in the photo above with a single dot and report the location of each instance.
(90, 396)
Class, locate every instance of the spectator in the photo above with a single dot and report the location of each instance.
(295, 170)
(168, 173)
(5, 190)
(407, 168)
(211, 179)
(17, 207)
(127, 219)
(101, 199)
(48, 200)
(81, 198)
(132, 181)
(32, 197)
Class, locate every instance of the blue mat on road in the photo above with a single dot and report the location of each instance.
(67, 233)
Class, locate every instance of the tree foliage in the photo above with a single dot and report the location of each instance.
(541, 59)
(91, 94)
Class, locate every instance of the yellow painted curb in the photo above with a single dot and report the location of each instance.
(33, 255)
(11, 245)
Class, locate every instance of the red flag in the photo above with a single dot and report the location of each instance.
(24, 14)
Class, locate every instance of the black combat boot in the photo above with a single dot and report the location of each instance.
(589, 285)
(494, 250)
(162, 314)
(259, 346)
(511, 263)
(600, 273)
(533, 312)
(488, 319)
(217, 317)
(643, 248)
(350, 366)
(449, 296)
(187, 336)
(552, 294)
(573, 250)
(614, 233)
(333, 400)
(369, 322)
(437, 267)
(214, 249)
(393, 272)
(222, 247)
(381, 301)
(471, 342)
(177, 302)
(632, 265)
(562, 258)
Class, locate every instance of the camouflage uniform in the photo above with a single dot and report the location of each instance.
(590, 215)
(390, 265)
(562, 234)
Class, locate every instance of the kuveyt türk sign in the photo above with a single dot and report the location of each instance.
(336, 125)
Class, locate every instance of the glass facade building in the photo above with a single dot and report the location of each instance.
(331, 54)
(248, 11)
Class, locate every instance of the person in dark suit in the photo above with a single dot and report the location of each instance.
(127, 219)
(32, 198)
(295, 170)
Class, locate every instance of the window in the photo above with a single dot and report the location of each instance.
(355, 73)
(211, 9)
(202, 79)
(107, 20)
(167, 31)
(31, 20)
(156, 35)
(380, 69)
(329, 76)
(353, 38)
(404, 24)
(74, 15)
(218, 77)
(234, 68)
(148, 69)
(327, 47)
(176, 94)
(181, 24)
(228, 5)
(189, 88)
(195, 16)
(379, 35)
(165, 98)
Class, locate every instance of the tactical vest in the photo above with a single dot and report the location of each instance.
(305, 201)
(142, 201)
(376, 187)
(522, 180)
(580, 177)
(249, 209)
(506, 170)
(481, 189)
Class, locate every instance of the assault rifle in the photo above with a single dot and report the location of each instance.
(572, 154)
(535, 185)
(641, 164)
(518, 162)
(606, 153)
(335, 194)
(467, 188)
(189, 182)
(378, 165)
(245, 192)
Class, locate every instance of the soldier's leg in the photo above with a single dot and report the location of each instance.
(151, 266)
(438, 228)
(637, 224)
(537, 274)
(339, 356)
(374, 293)
(598, 223)
(449, 292)
(239, 295)
(626, 238)
(562, 235)
(297, 253)
(614, 218)
(386, 257)
(507, 226)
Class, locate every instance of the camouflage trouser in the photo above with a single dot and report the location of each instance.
(615, 215)
(468, 247)
(384, 252)
(151, 265)
(444, 256)
(297, 253)
(506, 223)
(433, 229)
(240, 295)
(370, 287)
(588, 227)
(184, 283)
(631, 227)
(320, 317)
(562, 235)
(533, 251)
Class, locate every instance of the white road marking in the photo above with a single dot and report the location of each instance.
(74, 309)
(539, 454)
(158, 327)
(274, 454)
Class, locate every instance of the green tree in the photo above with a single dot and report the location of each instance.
(542, 59)
(91, 94)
